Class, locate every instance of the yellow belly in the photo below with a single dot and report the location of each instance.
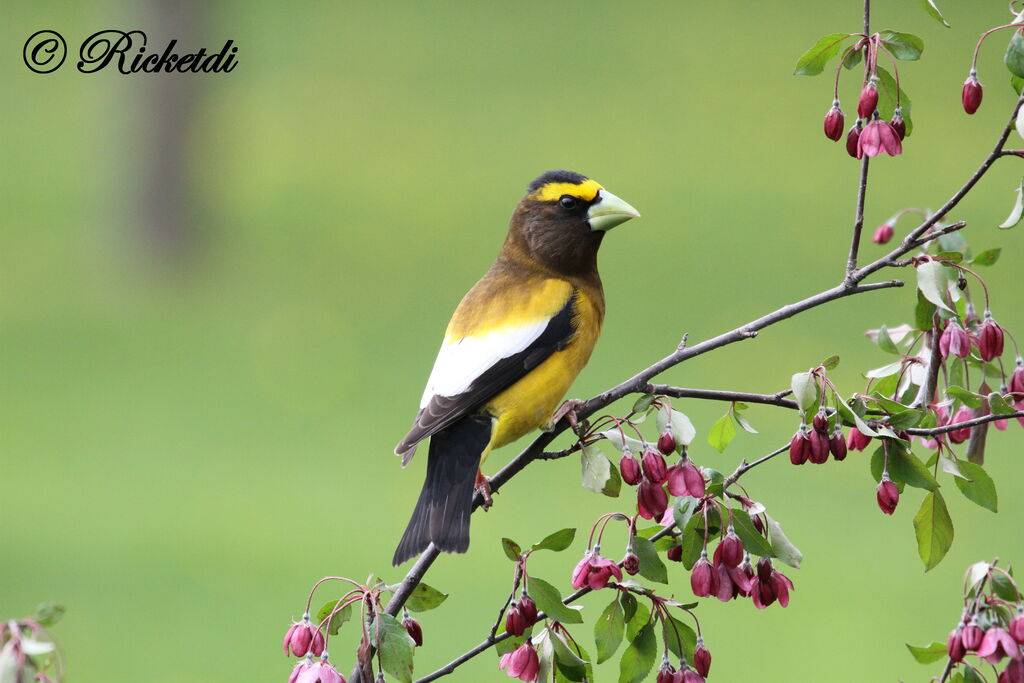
(529, 403)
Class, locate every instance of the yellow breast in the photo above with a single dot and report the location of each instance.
(529, 403)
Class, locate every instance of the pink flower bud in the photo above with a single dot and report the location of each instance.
(853, 141)
(528, 608)
(858, 440)
(819, 445)
(701, 658)
(704, 579)
(521, 663)
(654, 467)
(834, 122)
(630, 470)
(666, 674)
(689, 676)
(315, 672)
(631, 563)
(820, 421)
(514, 621)
(303, 637)
(837, 445)
(899, 125)
(964, 433)
(415, 630)
(888, 495)
(695, 484)
(743, 577)
(954, 340)
(1017, 380)
(727, 590)
(877, 137)
(990, 339)
(652, 501)
(667, 443)
(1016, 627)
(882, 234)
(799, 447)
(970, 97)
(972, 636)
(1013, 673)
(675, 553)
(868, 101)
(955, 646)
(730, 551)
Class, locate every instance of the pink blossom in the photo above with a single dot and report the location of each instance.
(594, 571)
(521, 663)
(877, 137)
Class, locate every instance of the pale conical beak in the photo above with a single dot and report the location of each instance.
(609, 211)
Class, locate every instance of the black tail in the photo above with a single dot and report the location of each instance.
(442, 513)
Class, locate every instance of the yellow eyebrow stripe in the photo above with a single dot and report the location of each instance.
(586, 191)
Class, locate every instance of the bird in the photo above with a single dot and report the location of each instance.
(514, 345)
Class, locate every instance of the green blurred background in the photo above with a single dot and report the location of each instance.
(202, 383)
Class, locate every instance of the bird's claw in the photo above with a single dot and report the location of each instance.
(566, 410)
(483, 485)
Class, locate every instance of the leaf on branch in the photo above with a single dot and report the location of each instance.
(558, 541)
(620, 441)
(651, 566)
(49, 613)
(933, 282)
(722, 433)
(989, 256)
(889, 96)
(999, 405)
(884, 341)
(934, 530)
(933, 11)
(978, 487)
(570, 665)
(549, 600)
(638, 658)
(805, 390)
(395, 646)
(424, 598)
(545, 654)
(741, 420)
(784, 549)
(831, 362)
(1018, 209)
(753, 542)
(968, 398)
(613, 486)
(812, 62)
(511, 548)
(1014, 57)
(1003, 587)
(679, 638)
(975, 573)
(608, 630)
(905, 46)
(337, 620)
(907, 468)
(928, 653)
(596, 468)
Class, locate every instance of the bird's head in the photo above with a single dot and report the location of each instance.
(562, 219)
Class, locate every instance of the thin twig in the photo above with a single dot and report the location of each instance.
(745, 466)
(964, 425)
(776, 399)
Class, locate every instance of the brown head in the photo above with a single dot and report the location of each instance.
(561, 221)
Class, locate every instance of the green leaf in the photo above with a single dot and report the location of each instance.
(1018, 208)
(830, 363)
(980, 488)
(682, 428)
(425, 598)
(905, 46)
(905, 467)
(608, 630)
(933, 11)
(636, 618)
(1003, 587)
(951, 256)
(49, 613)
(596, 468)
(1014, 57)
(805, 390)
(629, 607)
(337, 620)
(651, 566)
(638, 658)
(923, 312)
(679, 638)
(395, 647)
(812, 62)
(558, 541)
(783, 548)
(511, 548)
(682, 511)
(613, 486)
(1017, 83)
(572, 666)
(889, 95)
(999, 405)
(753, 542)
(852, 58)
(851, 417)
(971, 675)
(885, 342)
(549, 600)
(510, 644)
(968, 398)
(987, 257)
(928, 653)
(722, 432)
(742, 421)
(905, 419)
(933, 283)
(643, 403)
(934, 530)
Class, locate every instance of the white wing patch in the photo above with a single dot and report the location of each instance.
(461, 361)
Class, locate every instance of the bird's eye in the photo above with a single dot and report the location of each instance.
(567, 201)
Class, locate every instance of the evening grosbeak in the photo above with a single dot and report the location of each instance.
(515, 344)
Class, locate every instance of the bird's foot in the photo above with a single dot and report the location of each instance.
(566, 410)
(483, 485)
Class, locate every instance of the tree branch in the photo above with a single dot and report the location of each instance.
(962, 425)
(776, 399)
